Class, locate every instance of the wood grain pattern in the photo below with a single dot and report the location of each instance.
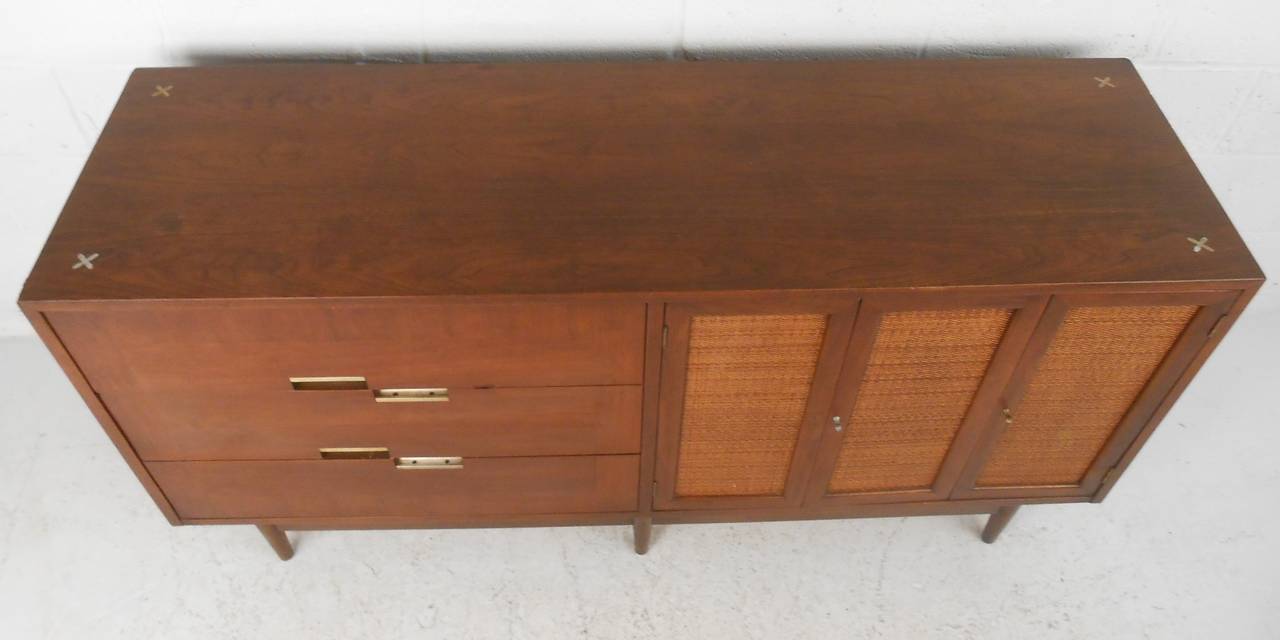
(294, 425)
(249, 346)
(356, 488)
(100, 412)
(655, 340)
(596, 260)
(433, 180)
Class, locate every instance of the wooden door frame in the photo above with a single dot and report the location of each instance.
(1026, 312)
(840, 308)
(1214, 307)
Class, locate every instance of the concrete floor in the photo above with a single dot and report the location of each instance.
(1187, 546)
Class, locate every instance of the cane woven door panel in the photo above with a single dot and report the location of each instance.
(746, 388)
(924, 369)
(1099, 360)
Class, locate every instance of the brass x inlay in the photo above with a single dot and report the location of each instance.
(85, 261)
(1104, 82)
(1202, 243)
(162, 91)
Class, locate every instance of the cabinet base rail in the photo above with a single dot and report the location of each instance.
(641, 524)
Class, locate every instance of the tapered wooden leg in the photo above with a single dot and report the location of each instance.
(997, 522)
(278, 540)
(642, 527)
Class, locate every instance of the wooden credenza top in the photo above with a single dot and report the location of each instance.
(458, 180)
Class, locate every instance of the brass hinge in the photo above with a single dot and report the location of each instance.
(1216, 323)
(665, 329)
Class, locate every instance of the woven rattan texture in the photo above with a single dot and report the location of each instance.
(924, 369)
(1097, 364)
(745, 393)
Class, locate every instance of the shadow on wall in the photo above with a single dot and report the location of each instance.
(863, 52)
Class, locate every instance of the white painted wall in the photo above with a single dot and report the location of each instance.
(1214, 66)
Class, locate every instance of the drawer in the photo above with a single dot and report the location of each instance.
(283, 425)
(192, 348)
(362, 488)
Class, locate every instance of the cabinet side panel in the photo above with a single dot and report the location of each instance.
(747, 387)
(924, 369)
(1098, 362)
(48, 335)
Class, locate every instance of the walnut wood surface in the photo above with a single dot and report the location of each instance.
(295, 425)
(1026, 311)
(354, 488)
(1174, 366)
(839, 314)
(100, 411)
(570, 220)
(997, 522)
(1069, 411)
(278, 540)
(329, 181)
(642, 532)
(923, 373)
(154, 348)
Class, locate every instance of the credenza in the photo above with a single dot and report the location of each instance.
(471, 295)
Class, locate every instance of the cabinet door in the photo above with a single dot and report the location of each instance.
(1092, 376)
(919, 371)
(745, 387)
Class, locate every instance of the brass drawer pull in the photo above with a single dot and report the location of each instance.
(355, 453)
(411, 395)
(329, 383)
(429, 463)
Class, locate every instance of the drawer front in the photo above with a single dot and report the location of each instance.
(295, 425)
(154, 348)
(364, 488)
